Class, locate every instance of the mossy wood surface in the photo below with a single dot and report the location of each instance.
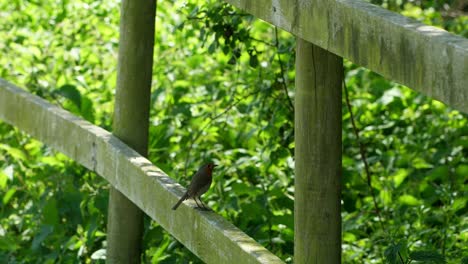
(427, 59)
(317, 133)
(131, 122)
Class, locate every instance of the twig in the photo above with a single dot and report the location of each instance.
(401, 258)
(263, 41)
(285, 88)
(362, 150)
(199, 133)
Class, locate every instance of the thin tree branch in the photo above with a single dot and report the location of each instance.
(263, 41)
(362, 151)
(285, 88)
(199, 133)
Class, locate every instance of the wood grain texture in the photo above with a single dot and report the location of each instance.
(131, 122)
(317, 218)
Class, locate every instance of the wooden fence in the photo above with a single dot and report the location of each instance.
(424, 58)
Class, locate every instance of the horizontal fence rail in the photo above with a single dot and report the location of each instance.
(206, 234)
(424, 58)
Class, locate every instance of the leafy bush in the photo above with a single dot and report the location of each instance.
(223, 90)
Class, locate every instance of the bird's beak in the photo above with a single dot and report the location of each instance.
(214, 165)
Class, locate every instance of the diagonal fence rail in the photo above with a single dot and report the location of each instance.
(207, 234)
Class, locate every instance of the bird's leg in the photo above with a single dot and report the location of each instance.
(195, 199)
(204, 206)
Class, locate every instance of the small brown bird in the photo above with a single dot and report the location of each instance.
(200, 183)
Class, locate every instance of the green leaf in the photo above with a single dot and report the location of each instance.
(386, 196)
(232, 60)
(462, 170)
(459, 203)
(99, 254)
(390, 95)
(8, 195)
(400, 176)
(161, 252)
(8, 243)
(194, 11)
(3, 180)
(253, 62)
(45, 231)
(71, 93)
(428, 256)
(241, 188)
(391, 253)
(87, 109)
(9, 171)
(349, 237)
(51, 161)
(409, 200)
(15, 153)
(438, 173)
(50, 212)
(212, 47)
(462, 141)
(420, 163)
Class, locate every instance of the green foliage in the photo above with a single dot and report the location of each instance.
(223, 91)
(49, 211)
(395, 253)
(428, 257)
(417, 152)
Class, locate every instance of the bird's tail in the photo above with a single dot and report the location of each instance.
(183, 198)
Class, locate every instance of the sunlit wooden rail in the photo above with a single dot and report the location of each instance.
(213, 238)
(425, 58)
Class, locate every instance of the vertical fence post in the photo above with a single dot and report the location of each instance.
(131, 121)
(317, 231)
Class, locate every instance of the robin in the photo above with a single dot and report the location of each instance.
(200, 183)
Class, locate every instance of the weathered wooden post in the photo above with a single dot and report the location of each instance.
(131, 120)
(317, 230)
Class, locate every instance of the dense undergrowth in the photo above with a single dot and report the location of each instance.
(223, 89)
